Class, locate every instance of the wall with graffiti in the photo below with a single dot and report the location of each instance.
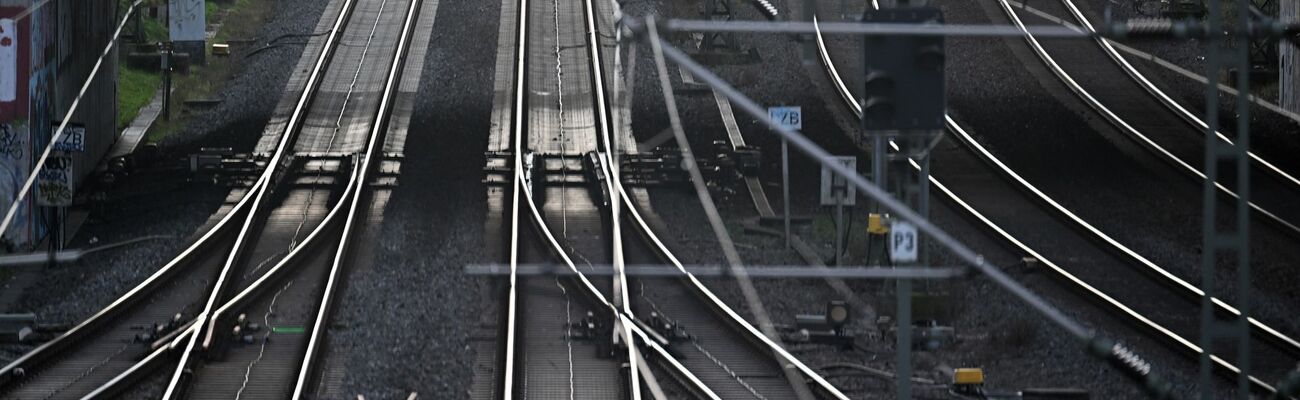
(46, 53)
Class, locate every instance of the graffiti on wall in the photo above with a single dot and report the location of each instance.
(14, 168)
(54, 183)
(14, 139)
(37, 44)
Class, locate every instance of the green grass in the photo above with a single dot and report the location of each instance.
(135, 88)
(153, 30)
(239, 19)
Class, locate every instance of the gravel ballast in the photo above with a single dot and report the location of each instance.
(404, 321)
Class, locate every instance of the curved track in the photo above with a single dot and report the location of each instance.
(104, 349)
(1287, 180)
(293, 309)
(1157, 123)
(1166, 316)
(579, 212)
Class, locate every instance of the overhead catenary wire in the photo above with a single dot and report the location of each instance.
(824, 158)
(752, 299)
(1119, 355)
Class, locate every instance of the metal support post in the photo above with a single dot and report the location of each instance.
(165, 63)
(838, 192)
(915, 190)
(785, 187)
(903, 369)
(1237, 240)
(923, 194)
(62, 222)
(50, 214)
(809, 44)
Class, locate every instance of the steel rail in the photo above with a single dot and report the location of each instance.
(1191, 118)
(659, 49)
(539, 222)
(1084, 287)
(284, 264)
(52, 348)
(622, 312)
(1292, 346)
(263, 187)
(717, 302)
(597, 77)
(369, 163)
(27, 362)
(517, 119)
(1138, 135)
(140, 367)
(138, 370)
(1128, 129)
(1163, 63)
(716, 224)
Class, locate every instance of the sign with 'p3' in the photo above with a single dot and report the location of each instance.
(903, 242)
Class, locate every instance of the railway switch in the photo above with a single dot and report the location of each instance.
(825, 328)
(667, 328)
(748, 160)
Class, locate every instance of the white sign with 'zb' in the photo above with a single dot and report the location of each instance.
(903, 242)
(73, 138)
(789, 117)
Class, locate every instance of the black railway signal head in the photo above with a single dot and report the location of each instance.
(904, 84)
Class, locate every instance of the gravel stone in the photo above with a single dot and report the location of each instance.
(405, 320)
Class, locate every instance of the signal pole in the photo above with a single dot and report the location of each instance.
(914, 116)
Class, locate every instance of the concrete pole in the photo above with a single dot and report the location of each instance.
(1289, 58)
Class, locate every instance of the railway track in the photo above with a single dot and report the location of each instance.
(566, 203)
(127, 339)
(1101, 78)
(287, 225)
(1163, 127)
(265, 341)
(1156, 121)
(1080, 255)
(554, 127)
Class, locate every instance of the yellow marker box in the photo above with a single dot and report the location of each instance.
(876, 224)
(968, 376)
